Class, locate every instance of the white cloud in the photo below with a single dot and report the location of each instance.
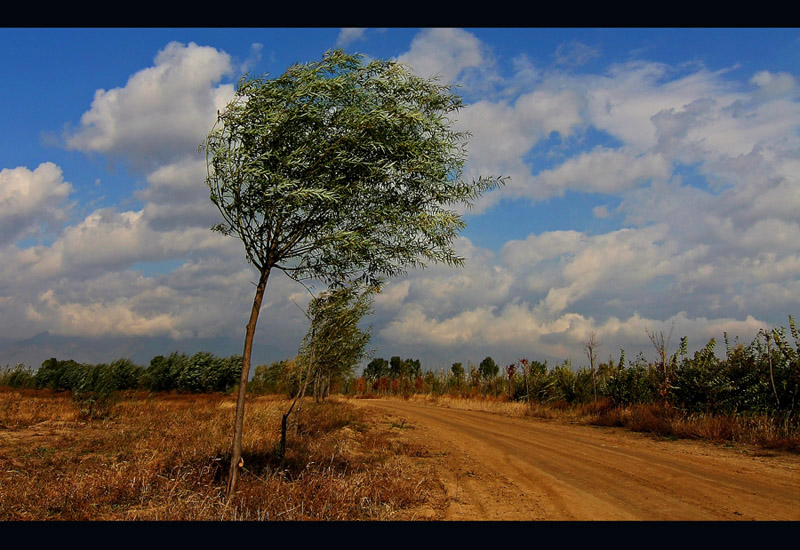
(600, 212)
(774, 84)
(601, 170)
(503, 132)
(537, 248)
(31, 201)
(99, 319)
(350, 34)
(253, 58)
(575, 53)
(177, 197)
(519, 330)
(392, 295)
(623, 101)
(163, 111)
(446, 53)
(107, 240)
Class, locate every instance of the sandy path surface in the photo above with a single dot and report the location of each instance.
(496, 467)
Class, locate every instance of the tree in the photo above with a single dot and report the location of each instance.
(590, 348)
(413, 367)
(337, 170)
(488, 368)
(524, 364)
(376, 368)
(666, 365)
(277, 377)
(397, 367)
(338, 342)
(333, 345)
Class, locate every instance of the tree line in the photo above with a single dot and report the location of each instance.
(760, 377)
(202, 372)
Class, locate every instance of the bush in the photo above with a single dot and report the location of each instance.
(125, 374)
(20, 376)
(94, 391)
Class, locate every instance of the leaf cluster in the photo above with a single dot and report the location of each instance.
(335, 343)
(339, 169)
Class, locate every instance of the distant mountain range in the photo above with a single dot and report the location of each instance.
(33, 351)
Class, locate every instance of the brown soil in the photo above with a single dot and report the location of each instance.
(494, 467)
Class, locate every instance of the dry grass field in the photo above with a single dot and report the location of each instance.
(163, 457)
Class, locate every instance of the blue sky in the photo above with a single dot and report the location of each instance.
(654, 183)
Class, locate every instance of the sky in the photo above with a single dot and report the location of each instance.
(654, 185)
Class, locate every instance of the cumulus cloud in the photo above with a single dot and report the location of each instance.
(602, 170)
(176, 196)
(32, 201)
(600, 212)
(91, 280)
(108, 241)
(774, 84)
(99, 319)
(446, 53)
(163, 111)
(505, 131)
(623, 101)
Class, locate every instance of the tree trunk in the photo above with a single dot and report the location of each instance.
(238, 426)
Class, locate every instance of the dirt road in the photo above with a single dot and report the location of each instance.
(495, 467)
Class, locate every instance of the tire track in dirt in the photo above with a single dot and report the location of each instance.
(496, 467)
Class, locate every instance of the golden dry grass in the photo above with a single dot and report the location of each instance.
(165, 458)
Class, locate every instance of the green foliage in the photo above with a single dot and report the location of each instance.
(639, 383)
(397, 367)
(537, 381)
(125, 374)
(93, 390)
(376, 368)
(163, 372)
(582, 387)
(217, 374)
(21, 376)
(58, 375)
(190, 378)
(279, 377)
(785, 369)
(335, 343)
(699, 384)
(404, 368)
(560, 384)
(339, 169)
(488, 368)
(751, 379)
(203, 372)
